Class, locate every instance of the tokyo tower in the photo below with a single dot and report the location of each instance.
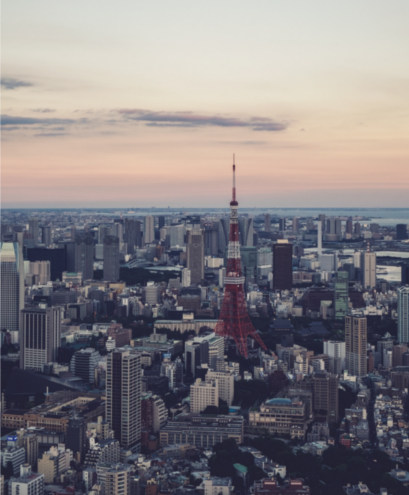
(234, 321)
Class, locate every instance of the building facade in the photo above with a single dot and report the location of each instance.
(40, 337)
(123, 396)
(356, 345)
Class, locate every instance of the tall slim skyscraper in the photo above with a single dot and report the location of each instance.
(368, 266)
(84, 255)
(403, 314)
(111, 258)
(282, 265)
(149, 229)
(319, 238)
(33, 230)
(246, 230)
(355, 345)
(123, 395)
(341, 295)
(195, 255)
(12, 285)
(40, 337)
(325, 397)
(132, 235)
(267, 222)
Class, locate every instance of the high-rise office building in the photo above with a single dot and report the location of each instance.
(46, 237)
(114, 479)
(341, 295)
(12, 285)
(403, 314)
(335, 350)
(282, 265)
(246, 231)
(123, 396)
(111, 258)
(249, 262)
(405, 273)
(368, 266)
(84, 362)
(84, 255)
(211, 239)
(267, 222)
(33, 231)
(56, 256)
(333, 229)
(149, 229)
(195, 255)
(132, 236)
(40, 337)
(325, 396)
(355, 345)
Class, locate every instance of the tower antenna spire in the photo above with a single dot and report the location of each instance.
(234, 179)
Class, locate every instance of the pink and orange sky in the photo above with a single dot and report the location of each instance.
(140, 104)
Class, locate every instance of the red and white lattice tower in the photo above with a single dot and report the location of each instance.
(234, 321)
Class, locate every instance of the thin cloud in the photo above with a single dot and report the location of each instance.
(43, 110)
(13, 83)
(10, 121)
(190, 119)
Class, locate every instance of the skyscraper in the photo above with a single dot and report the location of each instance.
(355, 345)
(341, 295)
(123, 395)
(40, 337)
(267, 223)
(195, 255)
(325, 397)
(246, 230)
(12, 285)
(149, 229)
(111, 258)
(403, 314)
(282, 265)
(132, 235)
(84, 255)
(368, 266)
(33, 230)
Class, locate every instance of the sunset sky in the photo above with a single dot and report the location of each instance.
(143, 103)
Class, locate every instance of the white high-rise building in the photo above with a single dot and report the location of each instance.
(203, 394)
(12, 285)
(403, 314)
(149, 229)
(335, 350)
(319, 238)
(123, 395)
(368, 265)
(225, 381)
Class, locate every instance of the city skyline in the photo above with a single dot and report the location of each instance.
(138, 106)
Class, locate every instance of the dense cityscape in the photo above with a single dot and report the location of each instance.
(204, 352)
